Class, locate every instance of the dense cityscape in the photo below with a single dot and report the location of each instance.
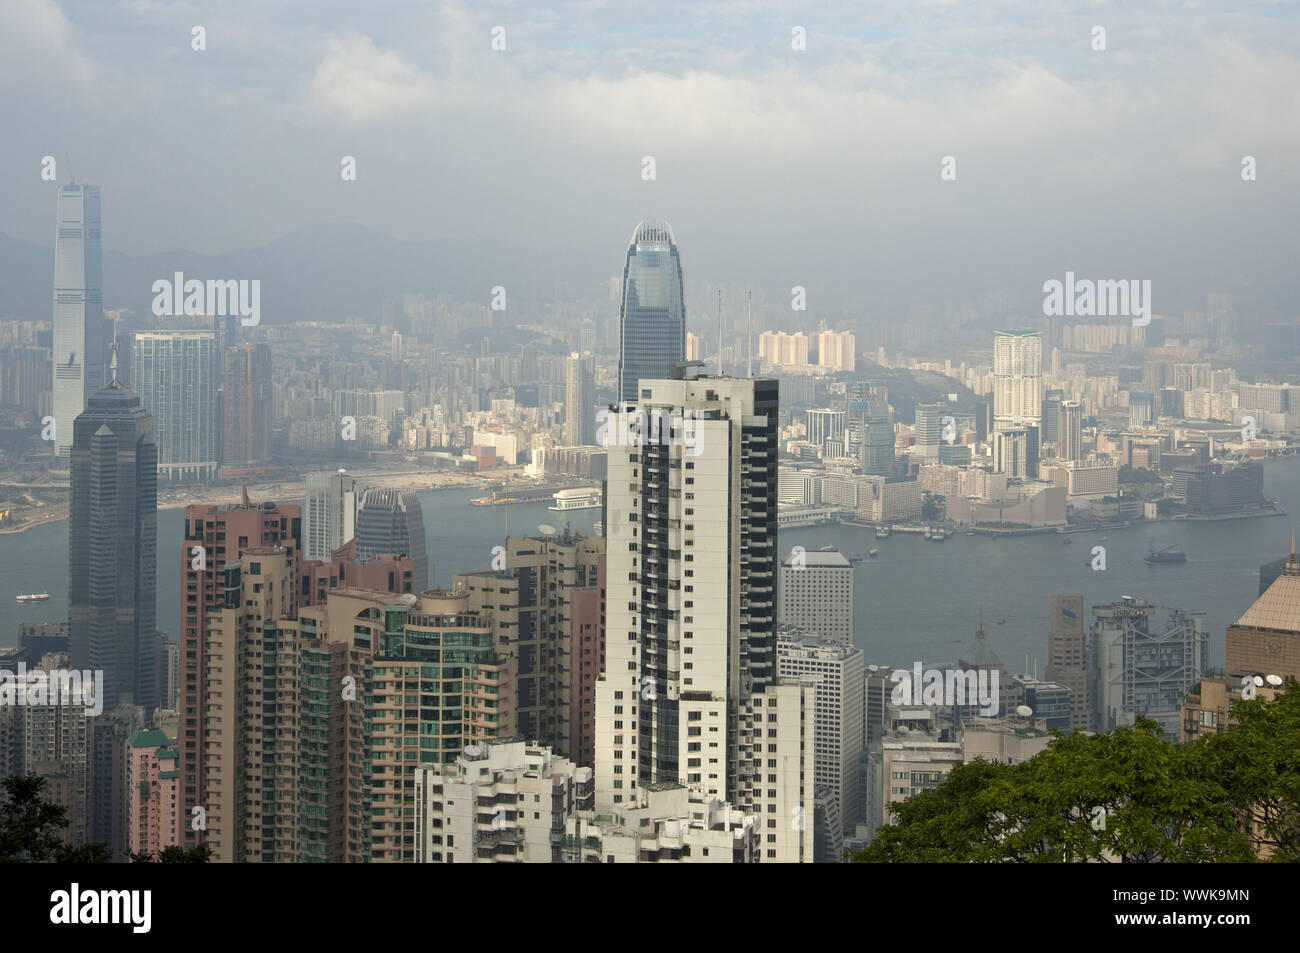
(685, 563)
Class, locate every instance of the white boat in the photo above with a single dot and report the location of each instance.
(34, 597)
(582, 498)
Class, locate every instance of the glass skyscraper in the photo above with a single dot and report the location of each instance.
(177, 374)
(80, 337)
(113, 546)
(391, 522)
(652, 317)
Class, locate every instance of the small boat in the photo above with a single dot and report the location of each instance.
(1170, 554)
(970, 532)
(1105, 539)
(1002, 621)
(34, 597)
(872, 553)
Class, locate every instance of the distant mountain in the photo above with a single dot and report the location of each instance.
(326, 272)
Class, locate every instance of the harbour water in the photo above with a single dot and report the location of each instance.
(916, 600)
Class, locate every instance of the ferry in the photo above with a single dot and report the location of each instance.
(935, 534)
(34, 597)
(882, 532)
(582, 498)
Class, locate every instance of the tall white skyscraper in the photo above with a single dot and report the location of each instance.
(690, 692)
(329, 513)
(841, 714)
(80, 335)
(816, 595)
(1017, 379)
(178, 377)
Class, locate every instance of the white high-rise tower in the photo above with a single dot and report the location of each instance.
(80, 338)
(690, 692)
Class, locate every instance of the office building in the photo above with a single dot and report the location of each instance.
(1070, 431)
(1051, 417)
(1266, 639)
(1138, 667)
(329, 513)
(390, 522)
(690, 624)
(652, 311)
(816, 594)
(839, 724)
(1011, 453)
(113, 545)
(878, 439)
(824, 424)
(80, 332)
(1067, 656)
(928, 430)
(178, 375)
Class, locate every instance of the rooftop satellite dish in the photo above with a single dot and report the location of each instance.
(1274, 680)
(1259, 681)
(410, 598)
(546, 529)
(472, 751)
(1024, 711)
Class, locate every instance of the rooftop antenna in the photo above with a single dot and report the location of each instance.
(113, 360)
(719, 332)
(749, 335)
(71, 177)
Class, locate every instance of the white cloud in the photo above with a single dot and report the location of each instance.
(359, 83)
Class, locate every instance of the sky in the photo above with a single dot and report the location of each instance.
(778, 166)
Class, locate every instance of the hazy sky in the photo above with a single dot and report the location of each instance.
(818, 167)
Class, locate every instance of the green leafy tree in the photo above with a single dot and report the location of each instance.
(30, 827)
(199, 854)
(1126, 796)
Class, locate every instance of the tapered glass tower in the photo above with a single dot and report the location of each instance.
(652, 317)
(80, 338)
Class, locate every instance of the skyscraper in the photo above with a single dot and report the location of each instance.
(112, 545)
(929, 429)
(579, 400)
(177, 374)
(247, 405)
(652, 316)
(1070, 431)
(878, 441)
(1051, 417)
(1066, 659)
(390, 521)
(816, 595)
(80, 337)
(330, 513)
(1017, 379)
(690, 617)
